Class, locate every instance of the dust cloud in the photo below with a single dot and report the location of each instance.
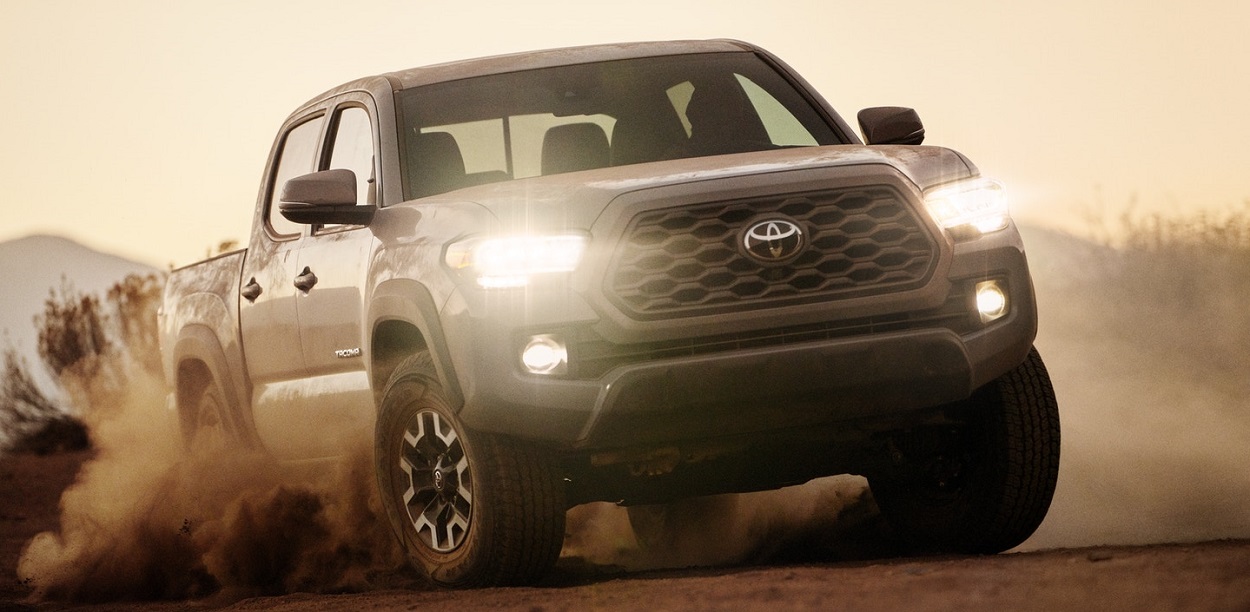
(827, 519)
(147, 519)
(1149, 352)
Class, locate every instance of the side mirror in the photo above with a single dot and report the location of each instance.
(891, 125)
(324, 198)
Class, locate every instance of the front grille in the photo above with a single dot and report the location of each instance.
(685, 261)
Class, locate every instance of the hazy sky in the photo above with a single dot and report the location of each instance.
(140, 126)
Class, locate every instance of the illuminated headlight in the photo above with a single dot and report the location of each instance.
(511, 262)
(991, 301)
(971, 207)
(545, 355)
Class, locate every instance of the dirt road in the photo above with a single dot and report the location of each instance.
(1205, 576)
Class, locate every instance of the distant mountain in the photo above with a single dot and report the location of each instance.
(31, 267)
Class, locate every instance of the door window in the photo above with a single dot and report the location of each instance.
(353, 150)
(297, 157)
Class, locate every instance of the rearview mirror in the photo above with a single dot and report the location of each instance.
(324, 198)
(891, 125)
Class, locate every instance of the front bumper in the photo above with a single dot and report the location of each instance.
(748, 388)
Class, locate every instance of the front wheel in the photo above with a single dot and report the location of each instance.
(471, 509)
(984, 484)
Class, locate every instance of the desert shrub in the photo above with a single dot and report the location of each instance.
(135, 300)
(71, 332)
(34, 423)
(1204, 231)
(90, 346)
(1178, 282)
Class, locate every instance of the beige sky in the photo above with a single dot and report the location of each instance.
(140, 126)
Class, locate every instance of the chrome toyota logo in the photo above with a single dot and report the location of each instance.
(773, 240)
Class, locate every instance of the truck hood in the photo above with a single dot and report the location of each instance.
(576, 199)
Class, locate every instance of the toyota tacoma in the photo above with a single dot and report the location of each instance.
(634, 273)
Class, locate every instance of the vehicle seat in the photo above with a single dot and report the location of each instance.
(575, 146)
(722, 121)
(636, 141)
(435, 163)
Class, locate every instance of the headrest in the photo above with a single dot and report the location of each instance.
(575, 146)
(436, 163)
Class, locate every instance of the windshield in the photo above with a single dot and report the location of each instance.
(569, 118)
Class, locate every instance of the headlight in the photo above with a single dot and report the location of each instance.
(511, 262)
(969, 208)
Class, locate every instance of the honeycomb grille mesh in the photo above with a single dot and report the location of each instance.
(686, 261)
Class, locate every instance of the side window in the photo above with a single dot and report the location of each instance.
(353, 150)
(783, 128)
(297, 157)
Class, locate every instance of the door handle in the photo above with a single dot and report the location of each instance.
(251, 290)
(306, 280)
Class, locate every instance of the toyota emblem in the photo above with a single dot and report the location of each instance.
(773, 240)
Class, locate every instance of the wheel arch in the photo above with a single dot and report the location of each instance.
(200, 360)
(403, 321)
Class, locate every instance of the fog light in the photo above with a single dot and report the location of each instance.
(991, 301)
(545, 355)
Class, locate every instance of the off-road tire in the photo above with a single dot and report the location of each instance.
(985, 484)
(507, 530)
(205, 420)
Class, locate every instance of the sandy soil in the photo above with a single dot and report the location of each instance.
(1204, 576)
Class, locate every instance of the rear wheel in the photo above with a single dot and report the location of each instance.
(206, 425)
(984, 484)
(471, 509)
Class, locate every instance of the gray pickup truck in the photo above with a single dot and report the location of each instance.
(635, 273)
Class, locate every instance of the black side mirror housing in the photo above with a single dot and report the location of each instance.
(891, 125)
(324, 198)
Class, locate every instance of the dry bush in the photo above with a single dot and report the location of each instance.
(1181, 283)
(87, 344)
(31, 421)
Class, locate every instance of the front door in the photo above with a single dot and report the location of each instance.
(327, 408)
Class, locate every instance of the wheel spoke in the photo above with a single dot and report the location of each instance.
(464, 490)
(438, 493)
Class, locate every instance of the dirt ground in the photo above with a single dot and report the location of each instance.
(1203, 576)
